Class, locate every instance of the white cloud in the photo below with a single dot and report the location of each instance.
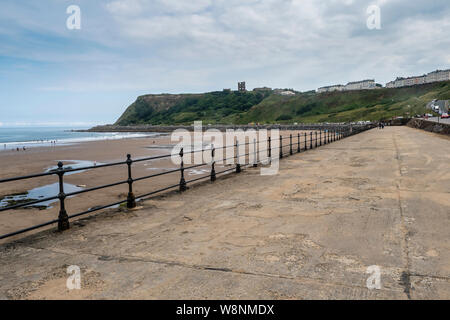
(173, 45)
(125, 7)
(176, 6)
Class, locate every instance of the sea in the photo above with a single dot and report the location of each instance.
(28, 137)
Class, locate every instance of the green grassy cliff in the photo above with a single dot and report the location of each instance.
(265, 107)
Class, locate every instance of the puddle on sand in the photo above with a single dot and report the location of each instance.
(162, 169)
(112, 207)
(198, 171)
(74, 164)
(36, 194)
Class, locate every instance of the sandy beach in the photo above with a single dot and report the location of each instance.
(40, 159)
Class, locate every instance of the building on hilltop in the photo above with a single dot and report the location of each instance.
(438, 75)
(337, 87)
(390, 84)
(361, 85)
(241, 86)
(434, 76)
(356, 85)
(405, 82)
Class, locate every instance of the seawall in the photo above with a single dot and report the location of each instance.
(430, 126)
(150, 128)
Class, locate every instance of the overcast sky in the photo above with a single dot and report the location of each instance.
(125, 48)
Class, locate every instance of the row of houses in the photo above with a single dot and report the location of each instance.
(435, 76)
(356, 85)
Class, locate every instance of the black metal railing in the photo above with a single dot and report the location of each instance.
(322, 138)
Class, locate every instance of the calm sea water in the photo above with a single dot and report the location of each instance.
(11, 138)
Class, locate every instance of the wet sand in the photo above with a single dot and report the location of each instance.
(40, 159)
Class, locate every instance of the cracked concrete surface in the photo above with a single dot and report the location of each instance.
(310, 232)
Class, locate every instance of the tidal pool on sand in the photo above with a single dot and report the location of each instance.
(46, 191)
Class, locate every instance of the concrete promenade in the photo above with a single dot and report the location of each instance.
(380, 198)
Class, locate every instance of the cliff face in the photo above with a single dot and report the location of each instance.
(168, 109)
(142, 110)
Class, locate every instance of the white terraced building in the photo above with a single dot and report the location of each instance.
(338, 87)
(435, 76)
(438, 75)
(361, 85)
(357, 85)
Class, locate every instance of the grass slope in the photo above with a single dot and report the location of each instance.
(309, 107)
(346, 106)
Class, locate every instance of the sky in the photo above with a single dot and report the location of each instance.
(53, 75)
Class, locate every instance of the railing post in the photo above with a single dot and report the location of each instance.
(63, 219)
(238, 165)
(182, 181)
(290, 145)
(213, 164)
(310, 140)
(255, 154)
(298, 143)
(270, 150)
(131, 201)
(306, 143)
(281, 147)
(315, 133)
(320, 138)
